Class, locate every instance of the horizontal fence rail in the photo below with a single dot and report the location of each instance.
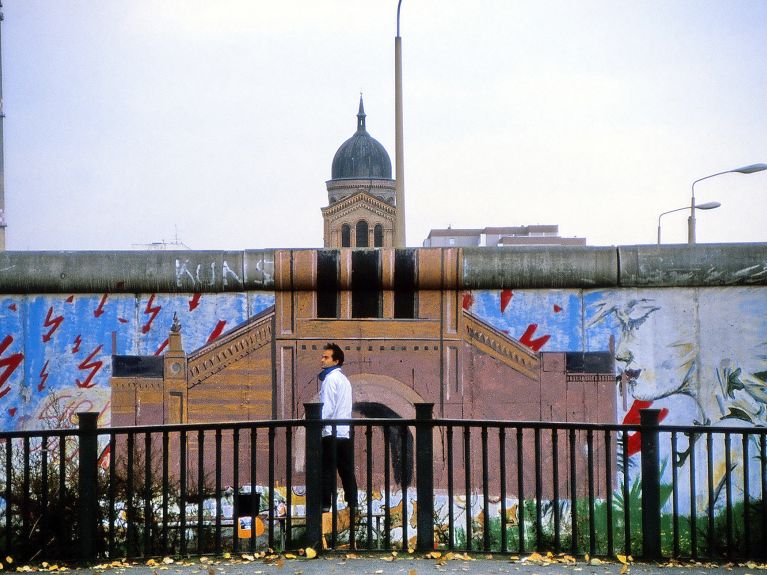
(466, 485)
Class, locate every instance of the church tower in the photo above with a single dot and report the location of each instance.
(361, 209)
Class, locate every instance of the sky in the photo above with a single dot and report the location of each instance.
(215, 122)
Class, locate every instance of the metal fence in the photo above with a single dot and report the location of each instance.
(491, 486)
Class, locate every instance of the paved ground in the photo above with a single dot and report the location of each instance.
(340, 564)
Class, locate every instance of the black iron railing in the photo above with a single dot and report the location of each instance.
(491, 486)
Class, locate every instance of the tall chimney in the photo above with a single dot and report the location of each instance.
(399, 190)
(2, 163)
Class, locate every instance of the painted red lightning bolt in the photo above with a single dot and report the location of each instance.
(217, 331)
(195, 301)
(506, 296)
(527, 338)
(163, 345)
(53, 322)
(94, 366)
(43, 376)
(154, 310)
(99, 311)
(9, 364)
(76, 346)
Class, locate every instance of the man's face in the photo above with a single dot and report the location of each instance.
(327, 359)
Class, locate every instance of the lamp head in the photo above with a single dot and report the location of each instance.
(750, 169)
(707, 206)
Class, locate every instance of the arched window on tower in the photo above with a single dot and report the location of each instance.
(362, 234)
(378, 236)
(346, 236)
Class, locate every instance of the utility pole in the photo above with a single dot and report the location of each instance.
(399, 189)
(2, 161)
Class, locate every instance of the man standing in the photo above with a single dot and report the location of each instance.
(336, 398)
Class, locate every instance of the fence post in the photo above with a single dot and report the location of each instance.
(86, 486)
(650, 485)
(424, 447)
(313, 467)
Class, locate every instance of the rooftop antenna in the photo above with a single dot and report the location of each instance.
(399, 184)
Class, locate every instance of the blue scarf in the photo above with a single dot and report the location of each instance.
(325, 371)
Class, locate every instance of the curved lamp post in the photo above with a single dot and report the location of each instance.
(706, 206)
(691, 220)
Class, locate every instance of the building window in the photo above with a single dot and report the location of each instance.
(362, 234)
(451, 241)
(404, 284)
(366, 284)
(346, 236)
(327, 283)
(378, 236)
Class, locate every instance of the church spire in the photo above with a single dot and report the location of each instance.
(361, 116)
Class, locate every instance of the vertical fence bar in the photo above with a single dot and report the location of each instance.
(217, 542)
(573, 493)
(763, 467)
(25, 530)
(728, 494)
(289, 490)
(467, 481)
(387, 487)
(254, 498)
(334, 484)
(236, 490)
(711, 500)
(271, 488)
(313, 466)
(424, 448)
(130, 513)
(626, 494)
(200, 490)
(62, 531)
(165, 488)
(87, 496)
(555, 485)
(674, 496)
(147, 493)
(502, 452)
(369, 485)
(693, 503)
(651, 532)
(746, 497)
(403, 467)
(110, 490)
(8, 481)
(590, 475)
(485, 493)
(450, 490)
(538, 491)
(609, 489)
(520, 490)
(182, 491)
(44, 524)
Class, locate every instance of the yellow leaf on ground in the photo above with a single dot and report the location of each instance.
(434, 555)
(289, 556)
(247, 557)
(388, 558)
(595, 561)
(227, 555)
(8, 559)
(624, 568)
(586, 557)
(411, 572)
(622, 559)
(167, 560)
(310, 553)
(151, 563)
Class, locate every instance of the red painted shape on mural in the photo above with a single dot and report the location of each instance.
(9, 364)
(506, 296)
(99, 311)
(52, 322)
(13, 307)
(43, 376)
(76, 346)
(195, 301)
(103, 460)
(94, 366)
(468, 300)
(122, 320)
(153, 310)
(633, 417)
(163, 345)
(557, 309)
(534, 344)
(70, 299)
(12, 411)
(217, 331)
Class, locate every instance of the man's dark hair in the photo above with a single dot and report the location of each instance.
(338, 353)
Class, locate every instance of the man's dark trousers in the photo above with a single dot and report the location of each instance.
(345, 465)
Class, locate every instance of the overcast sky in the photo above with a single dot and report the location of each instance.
(129, 120)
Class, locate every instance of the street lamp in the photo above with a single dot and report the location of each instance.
(706, 206)
(691, 220)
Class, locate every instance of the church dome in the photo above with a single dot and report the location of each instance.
(361, 157)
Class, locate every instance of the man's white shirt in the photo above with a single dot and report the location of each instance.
(336, 398)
